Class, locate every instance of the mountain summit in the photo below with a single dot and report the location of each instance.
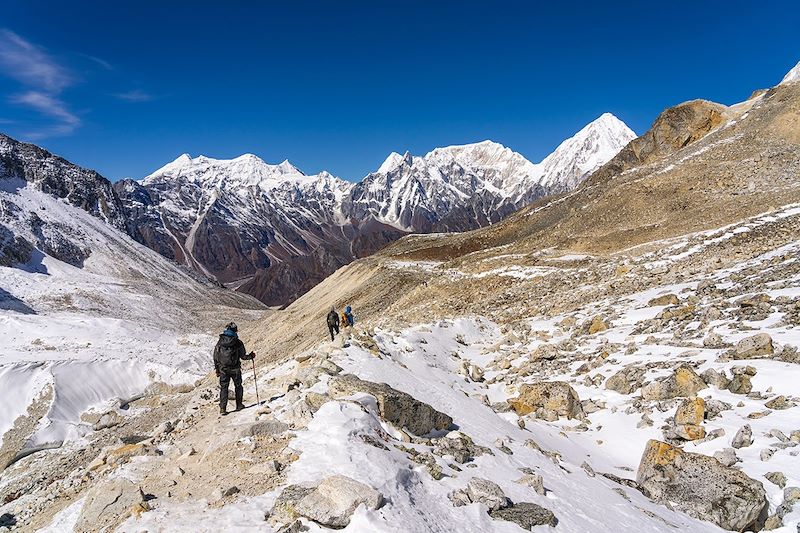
(274, 232)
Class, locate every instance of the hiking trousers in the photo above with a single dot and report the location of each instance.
(333, 328)
(225, 377)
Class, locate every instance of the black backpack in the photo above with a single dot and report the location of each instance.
(228, 352)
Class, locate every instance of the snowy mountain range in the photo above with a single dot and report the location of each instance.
(274, 232)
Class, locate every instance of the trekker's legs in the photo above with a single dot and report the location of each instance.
(238, 389)
(224, 381)
(330, 329)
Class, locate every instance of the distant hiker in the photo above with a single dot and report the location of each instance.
(228, 356)
(348, 318)
(333, 322)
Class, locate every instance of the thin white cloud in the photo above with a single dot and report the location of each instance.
(135, 96)
(102, 62)
(26, 63)
(42, 79)
(49, 106)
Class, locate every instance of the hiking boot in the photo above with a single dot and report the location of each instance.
(239, 406)
(222, 411)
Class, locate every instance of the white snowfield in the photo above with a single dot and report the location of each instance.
(92, 335)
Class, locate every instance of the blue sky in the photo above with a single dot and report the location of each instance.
(125, 87)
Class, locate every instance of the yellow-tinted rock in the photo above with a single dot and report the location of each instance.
(123, 453)
(690, 432)
(666, 299)
(676, 312)
(553, 397)
(597, 325)
(691, 411)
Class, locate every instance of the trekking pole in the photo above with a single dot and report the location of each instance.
(255, 380)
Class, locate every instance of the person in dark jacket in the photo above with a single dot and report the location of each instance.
(228, 356)
(333, 322)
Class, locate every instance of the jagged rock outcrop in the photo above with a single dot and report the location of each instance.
(675, 128)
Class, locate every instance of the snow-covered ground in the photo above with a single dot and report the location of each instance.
(91, 335)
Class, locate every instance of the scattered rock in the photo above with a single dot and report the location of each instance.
(691, 411)
(263, 428)
(479, 490)
(666, 299)
(315, 400)
(683, 382)
(556, 397)
(526, 515)
(717, 379)
(108, 420)
(779, 403)
(777, 478)
(758, 345)
(740, 384)
(596, 325)
(715, 407)
(626, 380)
(743, 437)
(702, 487)
(727, 456)
(397, 407)
(459, 445)
(534, 481)
(713, 340)
(334, 500)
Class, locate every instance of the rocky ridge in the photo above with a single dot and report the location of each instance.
(274, 232)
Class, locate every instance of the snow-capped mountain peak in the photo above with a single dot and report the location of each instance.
(586, 151)
(247, 170)
(793, 76)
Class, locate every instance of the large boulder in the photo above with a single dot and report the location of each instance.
(335, 499)
(683, 382)
(702, 487)
(110, 503)
(397, 407)
(758, 345)
(549, 396)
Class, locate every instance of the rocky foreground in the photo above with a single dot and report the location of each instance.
(656, 386)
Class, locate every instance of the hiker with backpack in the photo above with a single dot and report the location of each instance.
(347, 317)
(228, 356)
(333, 322)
